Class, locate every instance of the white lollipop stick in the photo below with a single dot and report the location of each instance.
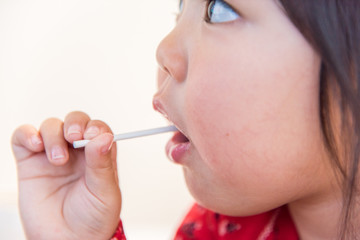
(147, 132)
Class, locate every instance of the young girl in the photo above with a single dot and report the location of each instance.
(265, 96)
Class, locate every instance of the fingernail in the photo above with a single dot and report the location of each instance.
(57, 153)
(74, 129)
(105, 149)
(92, 132)
(35, 140)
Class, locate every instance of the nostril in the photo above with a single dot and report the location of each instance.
(164, 70)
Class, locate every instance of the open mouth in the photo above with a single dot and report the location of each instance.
(179, 137)
(177, 146)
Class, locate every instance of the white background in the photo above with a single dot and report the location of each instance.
(58, 56)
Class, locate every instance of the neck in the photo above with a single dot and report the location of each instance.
(317, 218)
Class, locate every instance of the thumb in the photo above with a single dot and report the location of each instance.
(100, 172)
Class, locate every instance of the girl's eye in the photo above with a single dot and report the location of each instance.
(219, 12)
(181, 5)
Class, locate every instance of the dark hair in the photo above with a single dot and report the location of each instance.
(332, 27)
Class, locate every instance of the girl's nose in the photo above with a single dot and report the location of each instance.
(171, 56)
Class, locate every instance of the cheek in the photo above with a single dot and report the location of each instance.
(213, 112)
(245, 117)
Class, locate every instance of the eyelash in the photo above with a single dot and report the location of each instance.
(180, 9)
(206, 16)
(207, 5)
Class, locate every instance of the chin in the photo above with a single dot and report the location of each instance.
(229, 206)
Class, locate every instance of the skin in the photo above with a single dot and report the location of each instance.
(72, 194)
(245, 93)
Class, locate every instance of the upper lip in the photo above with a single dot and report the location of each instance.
(159, 107)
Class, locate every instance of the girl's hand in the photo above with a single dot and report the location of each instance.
(67, 193)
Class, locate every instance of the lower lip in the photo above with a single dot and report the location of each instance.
(176, 150)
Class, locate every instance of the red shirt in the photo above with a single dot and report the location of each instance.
(203, 224)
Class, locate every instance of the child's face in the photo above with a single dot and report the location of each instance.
(245, 91)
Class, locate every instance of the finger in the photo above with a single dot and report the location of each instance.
(95, 128)
(25, 141)
(100, 171)
(56, 146)
(74, 126)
